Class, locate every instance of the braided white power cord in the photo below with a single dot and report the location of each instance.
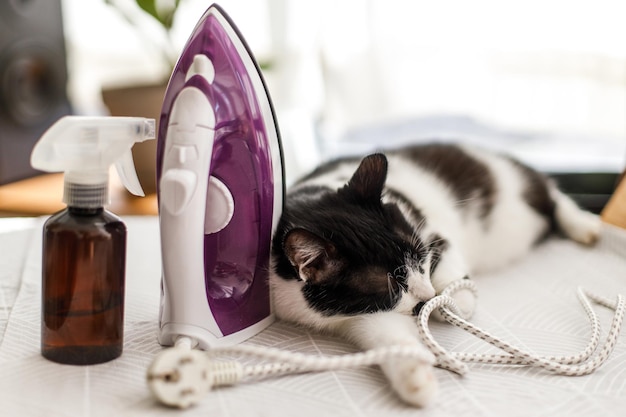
(570, 365)
(181, 376)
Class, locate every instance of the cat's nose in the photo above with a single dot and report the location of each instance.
(424, 290)
(420, 287)
(429, 292)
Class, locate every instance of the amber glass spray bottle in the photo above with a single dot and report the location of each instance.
(84, 245)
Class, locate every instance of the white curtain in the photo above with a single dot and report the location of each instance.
(533, 65)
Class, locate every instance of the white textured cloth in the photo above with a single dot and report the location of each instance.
(532, 304)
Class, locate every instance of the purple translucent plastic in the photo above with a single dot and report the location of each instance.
(236, 258)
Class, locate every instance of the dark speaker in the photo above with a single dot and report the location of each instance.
(33, 80)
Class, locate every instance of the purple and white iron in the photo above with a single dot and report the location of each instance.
(220, 190)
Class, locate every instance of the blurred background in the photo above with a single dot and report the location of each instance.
(542, 79)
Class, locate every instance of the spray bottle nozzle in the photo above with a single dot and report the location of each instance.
(85, 147)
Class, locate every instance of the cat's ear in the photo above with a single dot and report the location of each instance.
(368, 180)
(315, 258)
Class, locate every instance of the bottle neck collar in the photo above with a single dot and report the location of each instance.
(85, 211)
(85, 196)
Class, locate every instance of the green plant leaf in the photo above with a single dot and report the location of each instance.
(166, 18)
(149, 6)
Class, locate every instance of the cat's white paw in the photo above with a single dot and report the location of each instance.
(413, 380)
(584, 228)
(465, 300)
(579, 225)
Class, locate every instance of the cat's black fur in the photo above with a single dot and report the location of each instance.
(342, 277)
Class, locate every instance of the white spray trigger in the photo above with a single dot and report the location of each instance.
(84, 148)
(128, 175)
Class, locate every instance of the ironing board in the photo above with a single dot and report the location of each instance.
(532, 304)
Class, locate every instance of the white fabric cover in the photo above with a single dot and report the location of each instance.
(533, 304)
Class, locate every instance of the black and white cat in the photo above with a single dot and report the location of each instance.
(361, 243)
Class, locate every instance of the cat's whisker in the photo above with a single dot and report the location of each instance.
(419, 228)
(416, 241)
(437, 249)
(464, 201)
(434, 244)
(390, 288)
(420, 225)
